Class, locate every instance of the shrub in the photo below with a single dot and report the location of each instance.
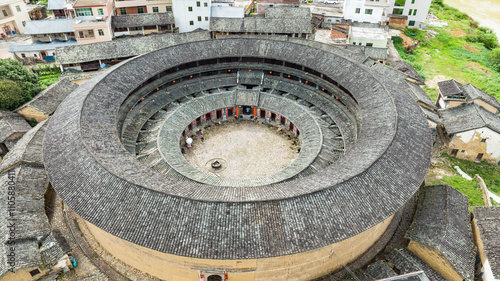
(13, 70)
(11, 95)
(494, 59)
(33, 122)
(397, 40)
(438, 2)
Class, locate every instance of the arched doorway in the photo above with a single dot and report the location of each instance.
(214, 278)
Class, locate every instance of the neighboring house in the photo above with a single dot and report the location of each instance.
(89, 57)
(327, 15)
(415, 10)
(46, 35)
(473, 132)
(93, 21)
(339, 33)
(13, 16)
(372, 11)
(399, 13)
(143, 24)
(452, 93)
(405, 67)
(406, 263)
(61, 9)
(376, 37)
(47, 101)
(31, 250)
(131, 7)
(12, 128)
(441, 233)
(191, 14)
(37, 12)
(38, 52)
(290, 21)
(159, 6)
(50, 30)
(262, 5)
(486, 225)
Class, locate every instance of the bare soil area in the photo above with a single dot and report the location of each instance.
(249, 149)
(471, 65)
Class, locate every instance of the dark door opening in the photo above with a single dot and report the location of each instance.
(214, 278)
(219, 113)
(230, 111)
(262, 113)
(454, 152)
(247, 110)
(479, 157)
(198, 121)
(208, 116)
(282, 120)
(291, 126)
(273, 116)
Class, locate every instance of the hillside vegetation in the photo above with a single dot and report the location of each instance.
(463, 50)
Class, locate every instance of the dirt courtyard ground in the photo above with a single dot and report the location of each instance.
(248, 148)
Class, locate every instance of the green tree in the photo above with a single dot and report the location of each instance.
(13, 70)
(487, 37)
(494, 59)
(11, 95)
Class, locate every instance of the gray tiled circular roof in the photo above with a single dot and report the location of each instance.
(103, 183)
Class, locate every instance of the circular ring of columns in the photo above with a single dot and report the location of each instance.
(173, 126)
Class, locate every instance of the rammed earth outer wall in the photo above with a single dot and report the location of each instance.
(301, 266)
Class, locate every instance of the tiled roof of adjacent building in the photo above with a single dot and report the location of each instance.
(12, 124)
(56, 4)
(488, 223)
(107, 186)
(41, 46)
(23, 165)
(124, 48)
(406, 262)
(468, 116)
(50, 26)
(407, 68)
(442, 222)
(142, 20)
(49, 99)
(453, 89)
(280, 20)
(375, 271)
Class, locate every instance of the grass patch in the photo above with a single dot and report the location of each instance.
(489, 172)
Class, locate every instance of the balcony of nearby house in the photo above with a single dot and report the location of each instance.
(130, 3)
(377, 3)
(46, 38)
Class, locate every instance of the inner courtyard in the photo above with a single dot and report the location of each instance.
(246, 149)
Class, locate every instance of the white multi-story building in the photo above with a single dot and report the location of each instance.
(378, 11)
(416, 10)
(13, 16)
(191, 14)
(365, 10)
